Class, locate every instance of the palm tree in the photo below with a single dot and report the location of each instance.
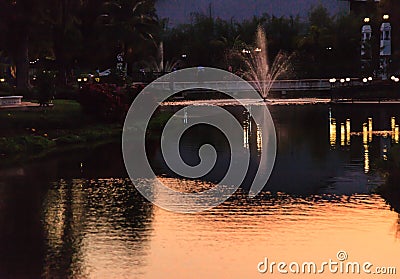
(132, 24)
(16, 17)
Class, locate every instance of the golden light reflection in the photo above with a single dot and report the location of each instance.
(370, 129)
(246, 132)
(342, 134)
(385, 151)
(259, 138)
(396, 134)
(282, 230)
(393, 123)
(332, 131)
(365, 133)
(348, 132)
(366, 159)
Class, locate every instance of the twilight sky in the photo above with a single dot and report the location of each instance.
(179, 10)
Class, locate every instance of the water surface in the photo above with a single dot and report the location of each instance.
(76, 215)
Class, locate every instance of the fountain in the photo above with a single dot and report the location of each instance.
(258, 71)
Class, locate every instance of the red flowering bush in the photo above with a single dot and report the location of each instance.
(106, 101)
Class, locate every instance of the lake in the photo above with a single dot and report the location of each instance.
(75, 214)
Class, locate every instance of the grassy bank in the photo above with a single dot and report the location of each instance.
(32, 133)
(27, 133)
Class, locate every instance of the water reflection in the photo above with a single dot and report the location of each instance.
(367, 133)
(78, 216)
(90, 224)
(229, 241)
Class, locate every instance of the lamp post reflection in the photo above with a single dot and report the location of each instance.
(246, 132)
(342, 134)
(259, 138)
(367, 133)
(370, 129)
(332, 131)
(366, 158)
(348, 132)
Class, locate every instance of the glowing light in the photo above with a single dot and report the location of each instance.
(348, 79)
(332, 132)
(367, 19)
(348, 132)
(385, 151)
(259, 139)
(257, 49)
(85, 79)
(396, 134)
(386, 17)
(370, 78)
(370, 129)
(332, 80)
(365, 80)
(392, 77)
(393, 123)
(79, 80)
(246, 131)
(342, 80)
(2, 80)
(365, 133)
(342, 134)
(366, 158)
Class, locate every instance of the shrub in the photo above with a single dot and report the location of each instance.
(106, 101)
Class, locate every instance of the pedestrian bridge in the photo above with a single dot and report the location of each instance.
(239, 86)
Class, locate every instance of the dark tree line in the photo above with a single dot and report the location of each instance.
(84, 33)
(324, 45)
(88, 34)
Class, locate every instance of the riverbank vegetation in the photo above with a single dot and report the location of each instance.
(40, 129)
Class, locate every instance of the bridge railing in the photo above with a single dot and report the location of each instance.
(278, 85)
